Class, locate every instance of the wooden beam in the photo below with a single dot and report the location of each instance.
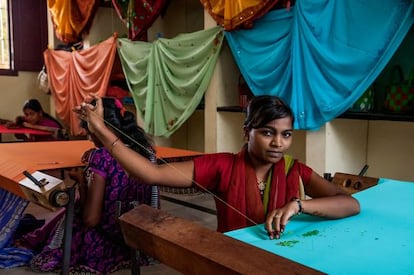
(192, 249)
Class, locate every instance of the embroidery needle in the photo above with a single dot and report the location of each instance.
(50, 162)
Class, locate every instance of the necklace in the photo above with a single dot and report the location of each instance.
(261, 184)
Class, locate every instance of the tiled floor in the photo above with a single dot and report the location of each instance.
(200, 217)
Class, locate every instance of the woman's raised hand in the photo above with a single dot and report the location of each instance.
(91, 111)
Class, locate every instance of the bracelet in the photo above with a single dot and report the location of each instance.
(113, 144)
(299, 202)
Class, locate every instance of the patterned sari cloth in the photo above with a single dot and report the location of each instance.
(235, 14)
(11, 211)
(139, 15)
(100, 249)
(168, 78)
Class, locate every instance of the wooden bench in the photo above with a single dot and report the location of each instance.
(192, 249)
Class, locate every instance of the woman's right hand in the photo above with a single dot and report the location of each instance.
(91, 111)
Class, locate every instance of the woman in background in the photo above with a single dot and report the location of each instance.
(105, 192)
(36, 118)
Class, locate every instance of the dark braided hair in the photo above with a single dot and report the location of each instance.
(265, 108)
(124, 124)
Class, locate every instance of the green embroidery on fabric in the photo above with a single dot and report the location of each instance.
(311, 233)
(287, 243)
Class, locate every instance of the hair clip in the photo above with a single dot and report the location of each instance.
(119, 105)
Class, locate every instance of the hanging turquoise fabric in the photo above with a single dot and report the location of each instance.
(321, 55)
(168, 78)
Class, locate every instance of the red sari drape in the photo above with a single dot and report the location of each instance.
(139, 15)
(74, 75)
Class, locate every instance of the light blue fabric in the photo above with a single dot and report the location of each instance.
(321, 55)
(376, 241)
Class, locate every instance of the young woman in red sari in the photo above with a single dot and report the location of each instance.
(260, 184)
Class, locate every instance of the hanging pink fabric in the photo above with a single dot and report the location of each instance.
(74, 75)
(139, 15)
(72, 18)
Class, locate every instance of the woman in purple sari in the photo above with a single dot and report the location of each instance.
(105, 192)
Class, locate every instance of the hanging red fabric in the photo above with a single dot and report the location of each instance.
(139, 15)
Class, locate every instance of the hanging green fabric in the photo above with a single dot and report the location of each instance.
(168, 77)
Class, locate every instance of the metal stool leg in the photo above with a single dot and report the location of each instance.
(70, 209)
(135, 266)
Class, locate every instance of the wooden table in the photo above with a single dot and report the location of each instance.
(21, 130)
(17, 157)
(38, 156)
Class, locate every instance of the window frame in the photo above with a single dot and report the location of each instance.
(12, 70)
(28, 38)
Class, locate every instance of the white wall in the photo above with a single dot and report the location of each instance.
(346, 145)
(105, 24)
(391, 149)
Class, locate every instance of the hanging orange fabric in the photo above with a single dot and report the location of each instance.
(74, 75)
(234, 14)
(72, 18)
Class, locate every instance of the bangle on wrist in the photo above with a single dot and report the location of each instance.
(113, 144)
(299, 202)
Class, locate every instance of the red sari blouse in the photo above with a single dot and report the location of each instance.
(231, 177)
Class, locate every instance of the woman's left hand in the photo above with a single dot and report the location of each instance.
(278, 218)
